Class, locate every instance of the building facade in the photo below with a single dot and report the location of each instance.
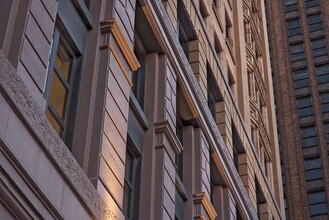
(137, 109)
(300, 63)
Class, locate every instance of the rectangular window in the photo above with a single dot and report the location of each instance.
(290, 5)
(319, 47)
(308, 135)
(301, 78)
(324, 97)
(315, 22)
(317, 202)
(311, 3)
(313, 170)
(304, 106)
(297, 52)
(132, 178)
(322, 73)
(294, 27)
(213, 92)
(61, 82)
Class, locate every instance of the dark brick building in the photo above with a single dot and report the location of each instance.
(299, 39)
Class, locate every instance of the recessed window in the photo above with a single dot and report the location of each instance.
(304, 106)
(301, 78)
(311, 3)
(290, 5)
(60, 85)
(322, 73)
(315, 22)
(294, 27)
(319, 47)
(297, 52)
(324, 97)
(313, 169)
(317, 202)
(213, 92)
(308, 135)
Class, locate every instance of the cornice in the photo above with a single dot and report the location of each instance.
(112, 26)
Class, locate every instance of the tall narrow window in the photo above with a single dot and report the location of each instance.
(61, 81)
(213, 92)
(131, 185)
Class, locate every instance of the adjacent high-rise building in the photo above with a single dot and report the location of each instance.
(299, 36)
(141, 109)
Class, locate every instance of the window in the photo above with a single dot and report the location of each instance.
(313, 170)
(304, 106)
(324, 97)
(294, 27)
(326, 128)
(315, 22)
(322, 73)
(290, 5)
(301, 78)
(131, 185)
(311, 3)
(138, 77)
(213, 92)
(61, 83)
(297, 52)
(185, 31)
(228, 30)
(319, 47)
(317, 202)
(308, 135)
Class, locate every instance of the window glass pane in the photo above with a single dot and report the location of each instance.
(318, 209)
(324, 102)
(314, 174)
(63, 60)
(317, 197)
(312, 164)
(308, 132)
(311, 3)
(54, 123)
(58, 96)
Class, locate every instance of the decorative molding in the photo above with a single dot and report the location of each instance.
(165, 128)
(34, 118)
(112, 26)
(204, 200)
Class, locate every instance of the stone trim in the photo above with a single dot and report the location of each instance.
(113, 27)
(14, 90)
(165, 128)
(204, 200)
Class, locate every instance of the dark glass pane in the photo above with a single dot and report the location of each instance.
(312, 164)
(318, 209)
(314, 174)
(318, 197)
(305, 112)
(308, 132)
(309, 142)
(127, 192)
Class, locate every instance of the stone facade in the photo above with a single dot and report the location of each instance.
(159, 122)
